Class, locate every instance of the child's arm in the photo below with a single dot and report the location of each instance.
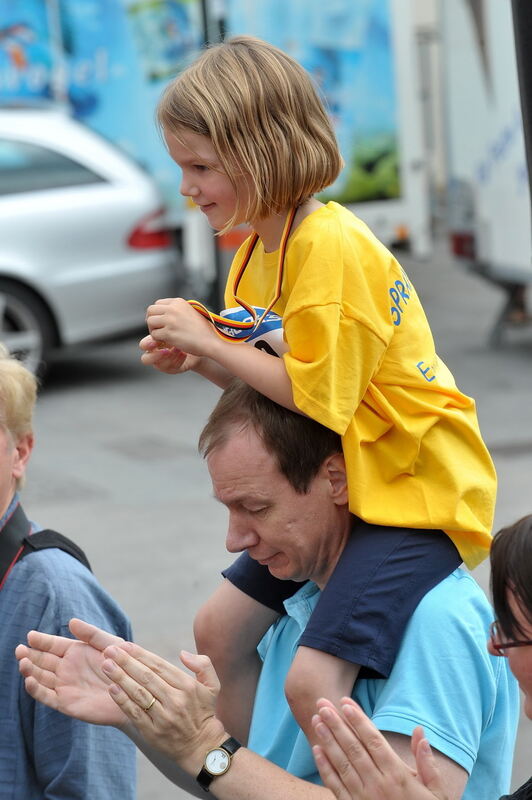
(175, 362)
(316, 674)
(176, 323)
(228, 628)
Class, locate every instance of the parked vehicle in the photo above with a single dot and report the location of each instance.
(488, 197)
(83, 243)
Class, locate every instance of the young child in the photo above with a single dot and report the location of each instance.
(315, 287)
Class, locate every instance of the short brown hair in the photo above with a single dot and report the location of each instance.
(511, 570)
(299, 444)
(263, 115)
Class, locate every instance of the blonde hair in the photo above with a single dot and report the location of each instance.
(263, 115)
(18, 392)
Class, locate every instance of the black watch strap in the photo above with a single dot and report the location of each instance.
(204, 777)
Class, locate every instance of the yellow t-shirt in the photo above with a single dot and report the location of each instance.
(361, 360)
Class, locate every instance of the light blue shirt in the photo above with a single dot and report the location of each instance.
(443, 679)
(45, 755)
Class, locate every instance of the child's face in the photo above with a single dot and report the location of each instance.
(204, 180)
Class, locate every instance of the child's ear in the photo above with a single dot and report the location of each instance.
(337, 476)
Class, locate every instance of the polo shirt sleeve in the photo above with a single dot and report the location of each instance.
(445, 680)
(330, 363)
(337, 323)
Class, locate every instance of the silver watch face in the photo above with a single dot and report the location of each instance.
(217, 761)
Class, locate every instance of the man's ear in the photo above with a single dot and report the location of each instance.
(23, 449)
(337, 477)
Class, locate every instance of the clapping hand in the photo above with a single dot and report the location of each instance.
(66, 674)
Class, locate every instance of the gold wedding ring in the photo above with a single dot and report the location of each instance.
(152, 701)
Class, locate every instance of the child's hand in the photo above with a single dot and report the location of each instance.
(166, 359)
(174, 322)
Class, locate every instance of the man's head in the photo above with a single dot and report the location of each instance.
(282, 477)
(18, 391)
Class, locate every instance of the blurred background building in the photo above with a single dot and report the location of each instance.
(423, 95)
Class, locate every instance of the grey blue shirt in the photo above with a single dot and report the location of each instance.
(44, 754)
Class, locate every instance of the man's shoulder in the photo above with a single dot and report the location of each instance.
(456, 608)
(62, 587)
(460, 585)
(48, 562)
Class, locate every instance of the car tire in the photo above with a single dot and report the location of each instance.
(26, 327)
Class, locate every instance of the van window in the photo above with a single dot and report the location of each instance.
(28, 167)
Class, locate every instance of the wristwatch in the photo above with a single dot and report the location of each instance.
(217, 762)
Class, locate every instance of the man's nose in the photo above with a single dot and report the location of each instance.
(239, 535)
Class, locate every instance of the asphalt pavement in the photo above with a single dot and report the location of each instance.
(116, 467)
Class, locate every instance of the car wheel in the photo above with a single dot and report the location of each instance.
(26, 328)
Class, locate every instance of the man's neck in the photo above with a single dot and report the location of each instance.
(336, 546)
(7, 509)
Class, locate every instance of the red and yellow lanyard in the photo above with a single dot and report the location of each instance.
(244, 329)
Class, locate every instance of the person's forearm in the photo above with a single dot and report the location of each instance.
(214, 372)
(169, 768)
(264, 372)
(250, 777)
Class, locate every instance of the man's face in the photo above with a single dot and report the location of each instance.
(13, 459)
(297, 536)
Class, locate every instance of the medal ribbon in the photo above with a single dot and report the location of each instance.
(244, 330)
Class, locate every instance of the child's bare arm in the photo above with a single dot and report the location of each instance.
(315, 674)
(176, 362)
(176, 323)
(228, 628)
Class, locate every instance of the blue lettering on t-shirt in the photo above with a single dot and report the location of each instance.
(427, 372)
(400, 297)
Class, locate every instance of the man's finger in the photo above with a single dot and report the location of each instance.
(428, 771)
(202, 668)
(349, 748)
(46, 642)
(41, 693)
(371, 739)
(147, 669)
(44, 677)
(38, 658)
(90, 634)
(344, 754)
(141, 695)
(140, 718)
(329, 775)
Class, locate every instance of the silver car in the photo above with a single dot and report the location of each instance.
(83, 243)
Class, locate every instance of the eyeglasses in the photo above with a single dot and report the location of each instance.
(498, 643)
